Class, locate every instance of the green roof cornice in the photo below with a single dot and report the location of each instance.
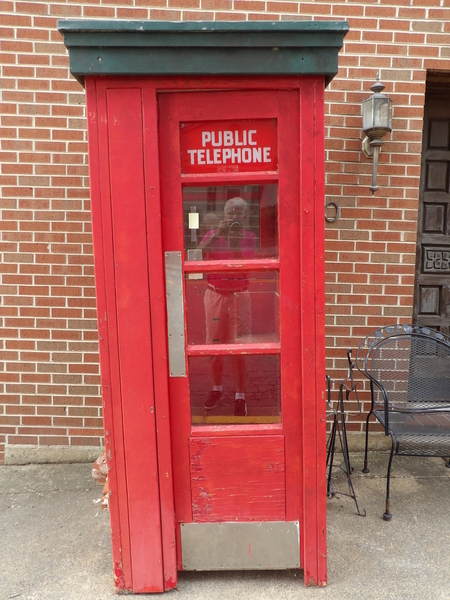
(203, 48)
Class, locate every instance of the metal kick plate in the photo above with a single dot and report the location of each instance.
(240, 546)
(175, 314)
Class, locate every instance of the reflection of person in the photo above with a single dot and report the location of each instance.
(209, 222)
(227, 299)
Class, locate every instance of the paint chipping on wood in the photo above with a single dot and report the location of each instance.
(237, 478)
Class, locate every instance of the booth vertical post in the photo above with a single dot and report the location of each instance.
(313, 342)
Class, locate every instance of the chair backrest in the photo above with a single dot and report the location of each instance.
(411, 363)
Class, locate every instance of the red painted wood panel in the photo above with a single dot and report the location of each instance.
(224, 430)
(112, 455)
(159, 342)
(207, 83)
(319, 148)
(313, 367)
(172, 224)
(290, 307)
(238, 478)
(211, 266)
(134, 335)
(108, 335)
(233, 349)
(216, 179)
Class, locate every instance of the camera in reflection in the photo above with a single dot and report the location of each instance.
(235, 225)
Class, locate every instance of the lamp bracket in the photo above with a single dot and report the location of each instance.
(367, 149)
(368, 145)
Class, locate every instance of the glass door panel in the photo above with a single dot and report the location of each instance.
(222, 222)
(232, 314)
(232, 308)
(258, 374)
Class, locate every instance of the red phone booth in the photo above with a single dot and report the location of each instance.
(206, 150)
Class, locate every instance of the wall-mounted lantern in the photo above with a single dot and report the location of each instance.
(376, 117)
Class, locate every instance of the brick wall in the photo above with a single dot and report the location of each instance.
(49, 370)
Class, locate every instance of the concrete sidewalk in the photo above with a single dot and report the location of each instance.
(55, 540)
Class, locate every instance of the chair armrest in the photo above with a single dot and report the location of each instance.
(351, 366)
(375, 383)
(421, 410)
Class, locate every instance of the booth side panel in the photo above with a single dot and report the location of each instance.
(313, 372)
(112, 413)
(134, 335)
(320, 328)
(158, 317)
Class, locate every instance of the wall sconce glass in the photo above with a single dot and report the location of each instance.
(376, 117)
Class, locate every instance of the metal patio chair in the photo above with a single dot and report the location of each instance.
(409, 372)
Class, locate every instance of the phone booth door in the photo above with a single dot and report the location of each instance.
(230, 181)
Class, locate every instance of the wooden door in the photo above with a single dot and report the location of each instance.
(432, 280)
(236, 457)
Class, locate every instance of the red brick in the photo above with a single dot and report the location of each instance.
(197, 16)
(442, 14)
(16, 46)
(394, 24)
(345, 10)
(32, 34)
(409, 38)
(63, 10)
(68, 421)
(427, 26)
(83, 411)
(40, 421)
(6, 32)
(51, 410)
(154, 3)
(32, 7)
(95, 401)
(161, 15)
(315, 9)
(53, 440)
(184, 4)
(86, 441)
(68, 400)
(380, 11)
(16, 20)
(22, 440)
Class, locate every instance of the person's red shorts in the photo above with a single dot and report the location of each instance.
(228, 316)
